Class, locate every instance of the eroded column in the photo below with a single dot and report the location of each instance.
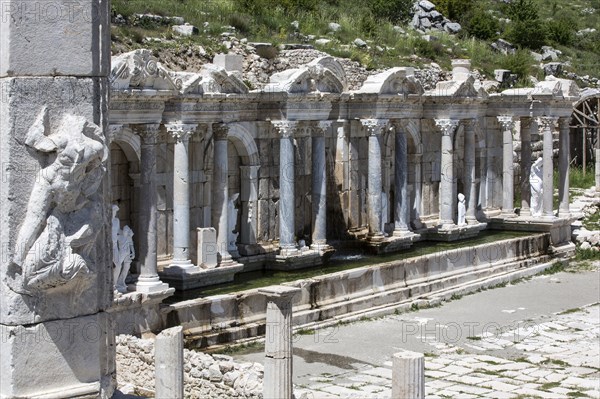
(408, 375)
(319, 187)
(469, 179)
(181, 194)
(527, 124)
(287, 239)
(277, 383)
(220, 188)
(547, 126)
(168, 360)
(447, 200)
(148, 281)
(507, 124)
(401, 209)
(375, 129)
(563, 166)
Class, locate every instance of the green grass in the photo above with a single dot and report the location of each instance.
(273, 24)
(569, 311)
(586, 254)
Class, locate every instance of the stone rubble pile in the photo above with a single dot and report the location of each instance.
(205, 376)
(426, 17)
(584, 238)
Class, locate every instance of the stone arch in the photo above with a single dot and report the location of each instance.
(415, 174)
(244, 143)
(129, 144)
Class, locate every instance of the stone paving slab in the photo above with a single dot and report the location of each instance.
(558, 361)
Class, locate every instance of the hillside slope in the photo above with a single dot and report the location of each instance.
(375, 35)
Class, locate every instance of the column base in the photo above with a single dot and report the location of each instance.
(401, 239)
(150, 284)
(299, 259)
(197, 277)
(453, 232)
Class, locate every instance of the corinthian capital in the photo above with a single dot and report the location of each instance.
(375, 127)
(447, 126)
(506, 121)
(285, 128)
(220, 131)
(148, 132)
(181, 131)
(547, 122)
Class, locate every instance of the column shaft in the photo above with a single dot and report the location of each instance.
(374, 183)
(148, 279)
(287, 236)
(277, 383)
(447, 198)
(470, 184)
(221, 190)
(547, 183)
(563, 166)
(401, 210)
(527, 125)
(319, 191)
(181, 194)
(408, 375)
(508, 194)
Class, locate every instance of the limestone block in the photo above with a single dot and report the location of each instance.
(231, 62)
(67, 356)
(32, 33)
(207, 247)
(169, 364)
(36, 123)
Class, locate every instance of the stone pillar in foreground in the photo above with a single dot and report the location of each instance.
(508, 193)
(408, 375)
(181, 194)
(375, 129)
(168, 360)
(401, 210)
(56, 266)
(547, 127)
(470, 184)
(319, 187)
(563, 166)
(287, 239)
(220, 191)
(527, 125)
(148, 281)
(277, 383)
(447, 199)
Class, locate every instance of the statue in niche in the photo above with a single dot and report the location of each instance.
(536, 184)
(126, 256)
(232, 217)
(462, 210)
(64, 213)
(123, 251)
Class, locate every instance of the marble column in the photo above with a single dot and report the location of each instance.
(418, 189)
(447, 199)
(181, 194)
(148, 281)
(469, 179)
(563, 166)
(169, 363)
(401, 209)
(277, 382)
(220, 191)
(547, 127)
(249, 199)
(408, 375)
(287, 236)
(527, 124)
(507, 125)
(319, 187)
(375, 129)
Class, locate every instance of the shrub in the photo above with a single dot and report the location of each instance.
(561, 30)
(522, 10)
(456, 10)
(391, 10)
(519, 63)
(529, 33)
(481, 24)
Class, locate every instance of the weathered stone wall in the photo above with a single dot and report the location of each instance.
(205, 376)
